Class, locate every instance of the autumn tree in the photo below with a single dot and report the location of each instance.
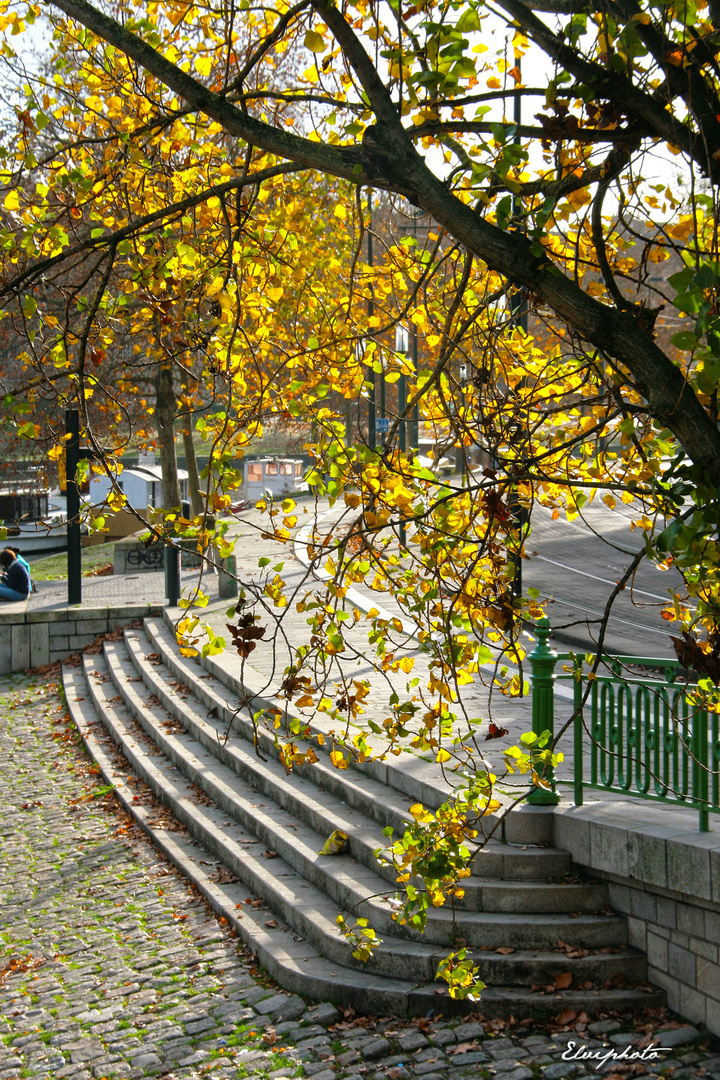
(220, 160)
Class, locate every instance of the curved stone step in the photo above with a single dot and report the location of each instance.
(303, 907)
(322, 811)
(345, 883)
(309, 909)
(341, 878)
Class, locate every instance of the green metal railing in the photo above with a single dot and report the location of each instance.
(638, 734)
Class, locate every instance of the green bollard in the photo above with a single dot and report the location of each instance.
(173, 587)
(542, 676)
(227, 578)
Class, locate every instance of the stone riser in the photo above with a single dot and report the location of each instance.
(323, 813)
(520, 906)
(341, 879)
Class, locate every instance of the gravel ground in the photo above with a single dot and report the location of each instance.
(110, 965)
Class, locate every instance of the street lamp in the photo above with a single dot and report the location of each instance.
(402, 343)
(463, 382)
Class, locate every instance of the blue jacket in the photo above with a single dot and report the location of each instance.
(16, 577)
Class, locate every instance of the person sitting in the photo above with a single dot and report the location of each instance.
(24, 563)
(15, 579)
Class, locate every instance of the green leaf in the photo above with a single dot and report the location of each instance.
(314, 42)
(684, 340)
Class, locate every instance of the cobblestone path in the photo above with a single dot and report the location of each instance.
(110, 966)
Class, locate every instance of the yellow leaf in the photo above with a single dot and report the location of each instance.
(335, 844)
(203, 65)
(442, 756)
(338, 760)
(340, 212)
(493, 83)
(12, 201)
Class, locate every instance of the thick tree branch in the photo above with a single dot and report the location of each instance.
(389, 160)
(628, 98)
(112, 237)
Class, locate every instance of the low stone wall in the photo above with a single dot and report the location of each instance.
(30, 639)
(665, 876)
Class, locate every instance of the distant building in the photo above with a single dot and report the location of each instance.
(141, 485)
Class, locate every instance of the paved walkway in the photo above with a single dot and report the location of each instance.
(111, 967)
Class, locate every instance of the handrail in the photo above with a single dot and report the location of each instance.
(648, 738)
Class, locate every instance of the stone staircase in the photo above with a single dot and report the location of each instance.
(260, 830)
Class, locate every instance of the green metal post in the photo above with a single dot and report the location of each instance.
(542, 674)
(578, 733)
(173, 588)
(700, 767)
(372, 411)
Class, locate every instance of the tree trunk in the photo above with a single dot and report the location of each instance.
(196, 500)
(165, 414)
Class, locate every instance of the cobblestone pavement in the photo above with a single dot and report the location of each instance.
(110, 966)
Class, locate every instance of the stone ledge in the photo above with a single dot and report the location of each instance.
(653, 844)
(36, 638)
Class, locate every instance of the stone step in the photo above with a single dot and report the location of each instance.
(306, 796)
(295, 963)
(377, 789)
(189, 736)
(299, 904)
(343, 879)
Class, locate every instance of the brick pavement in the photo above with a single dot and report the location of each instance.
(111, 967)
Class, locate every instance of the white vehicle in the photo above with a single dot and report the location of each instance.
(272, 477)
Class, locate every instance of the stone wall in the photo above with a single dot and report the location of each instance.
(30, 639)
(665, 876)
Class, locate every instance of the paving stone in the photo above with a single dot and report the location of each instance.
(324, 1014)
(678, 1036)
(427, 1068)
(196, 1027)
(604, 1027)
(415, 1040)
(468, 1032)
(560, 1069)
(312, 1068)
(472, 1057)
(444, 1037)
(375, 1049)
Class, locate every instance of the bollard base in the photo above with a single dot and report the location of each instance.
(540, 797)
